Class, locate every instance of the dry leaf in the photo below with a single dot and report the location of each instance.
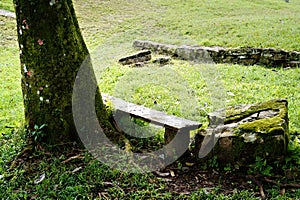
(76, 169)
(162, 174)
(108, 184)
(189, 164)
(40, 179)
(172, 173)
(127, 147)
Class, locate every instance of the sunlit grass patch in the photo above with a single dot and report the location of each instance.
(7, 5)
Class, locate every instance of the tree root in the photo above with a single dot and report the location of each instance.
(258, 183)
(22, 156)
(282, 185)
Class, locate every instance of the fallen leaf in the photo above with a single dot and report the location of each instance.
(127, 147)
(230, 94)
(185, 193)
(40, 179)
(103, 194)
(189, 164)
(162, 174)
(165, 179)
(76, 169)
(108, 184)
(172, 173)
(40, 42)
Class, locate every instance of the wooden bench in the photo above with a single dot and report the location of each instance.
(171, 123)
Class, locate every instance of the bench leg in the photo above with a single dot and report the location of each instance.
(169, 134)
(178, 145)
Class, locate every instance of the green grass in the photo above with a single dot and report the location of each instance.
(252, 23)
(94, 180)
(212, 23)
(171, 88)
(249, 23)
(7, 5)
(9, 74)
(181, 88)
(11, 103)
(63, 183)
(10, 91)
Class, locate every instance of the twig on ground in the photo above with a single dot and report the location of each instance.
(287, 185)
(72, 158)
(261, 189)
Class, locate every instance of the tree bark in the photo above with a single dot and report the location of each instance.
(52, 50)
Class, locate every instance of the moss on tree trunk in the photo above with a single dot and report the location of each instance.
(52, 50)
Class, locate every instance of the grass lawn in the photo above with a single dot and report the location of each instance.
(109, 28)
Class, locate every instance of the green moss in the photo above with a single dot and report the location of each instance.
(234, 114)
(276, 131)
(266, 137)
(267, 125)
(277, 125)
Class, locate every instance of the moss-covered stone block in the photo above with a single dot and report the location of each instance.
(248, 131)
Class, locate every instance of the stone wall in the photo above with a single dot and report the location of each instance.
(246, 56)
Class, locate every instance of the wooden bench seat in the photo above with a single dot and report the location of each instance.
(171, 123)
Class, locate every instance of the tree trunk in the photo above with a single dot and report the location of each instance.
(52, 50)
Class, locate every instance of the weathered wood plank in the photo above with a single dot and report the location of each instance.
(152, 116)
